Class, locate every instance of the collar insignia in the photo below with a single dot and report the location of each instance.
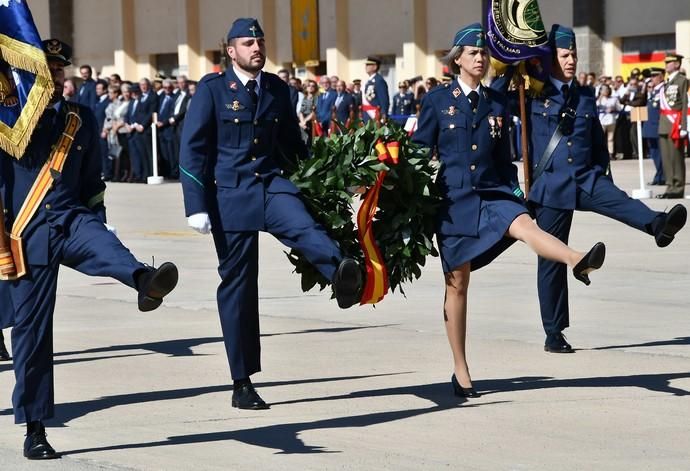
(456, 92)
(233, 85)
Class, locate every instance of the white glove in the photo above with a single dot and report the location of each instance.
(200, 222)
(683, 133)
(110, 228)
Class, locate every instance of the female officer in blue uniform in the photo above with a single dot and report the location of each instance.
(483, 212)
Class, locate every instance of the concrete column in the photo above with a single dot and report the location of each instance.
(124, 47)
(268, 24)
(683, 41)
(415, 59)
(338, 56)
(589, 24)
(191, 60)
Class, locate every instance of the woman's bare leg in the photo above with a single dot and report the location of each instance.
(455, 317)
(542, 243)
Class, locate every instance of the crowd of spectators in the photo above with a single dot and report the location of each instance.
(125, 112)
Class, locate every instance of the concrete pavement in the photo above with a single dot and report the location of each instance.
(368, 388)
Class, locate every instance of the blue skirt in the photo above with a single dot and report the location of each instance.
(495, 217)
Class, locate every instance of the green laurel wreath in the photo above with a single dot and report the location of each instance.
(405, 222)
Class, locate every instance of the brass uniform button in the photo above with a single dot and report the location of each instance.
(48, 206)
(253, 157)
(452, 126)
(473, 167)
(256, 174)
(256, 122)
(78, 147)
(474, 125)
(570, 143)
(474, 146)
(237, 120)
(256, 140)
(570, 160)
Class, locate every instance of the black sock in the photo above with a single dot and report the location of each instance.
(236, 383)
(34, 426)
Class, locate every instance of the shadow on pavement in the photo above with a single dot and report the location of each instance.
(64, 413)
(285, 438)
(658, 343)
(183, 347)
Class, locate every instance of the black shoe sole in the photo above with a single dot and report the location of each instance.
(253, 407)
(348, 283)
(590, 262)
(43, 457)
(675, 220)
(162, 283)
(558, 350)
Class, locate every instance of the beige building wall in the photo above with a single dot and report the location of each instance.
(124, 35)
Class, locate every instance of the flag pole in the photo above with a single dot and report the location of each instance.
(523, 133)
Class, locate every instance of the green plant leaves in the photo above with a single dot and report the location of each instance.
(404, 225)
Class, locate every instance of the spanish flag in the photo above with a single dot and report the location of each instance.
(25, 83)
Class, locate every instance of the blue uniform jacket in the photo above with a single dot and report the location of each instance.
(474, 151)
(578, 160)
(229, 158)
(77, 189)
(376, 91)
(650, 128)
(403, 105)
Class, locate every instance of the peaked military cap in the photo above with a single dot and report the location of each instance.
(245, 28)
(56, 50)
(357, 81)
(673, 58)
(371, 60)
(403, 83)
(562, 37)
(657, 71)
(470, 35)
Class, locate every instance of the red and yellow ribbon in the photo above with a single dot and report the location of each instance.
(376, 285)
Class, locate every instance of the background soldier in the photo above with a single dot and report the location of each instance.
(673, 127)
(375, 91)
(650, 128)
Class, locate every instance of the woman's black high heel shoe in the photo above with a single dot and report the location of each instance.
(590, 262)
(459, 391)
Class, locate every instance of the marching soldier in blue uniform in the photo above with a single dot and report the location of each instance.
(375, 98)
(570, 164)
(53, 199)
(650, 128)
(240, 132)
(403, 101)
(483, 211)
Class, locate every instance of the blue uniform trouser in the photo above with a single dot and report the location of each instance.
(287, 219)
(137, 155)
(87, 247)
(552, 277)
(655, 154)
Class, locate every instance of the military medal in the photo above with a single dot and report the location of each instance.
(456, 92)
(499, 120)
(236, 105)
(494, 131)
(450, 111)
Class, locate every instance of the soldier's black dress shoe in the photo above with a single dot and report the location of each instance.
(556, 343)
(459, 391)
(669, 224)
(590, 262)
(154, 284)
(347, 283)
(36, 446)
(4, 354)
(244, 396)
(670, 196)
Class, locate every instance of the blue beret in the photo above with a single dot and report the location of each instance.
(470, 35)
(245, 28)
(562, 37)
